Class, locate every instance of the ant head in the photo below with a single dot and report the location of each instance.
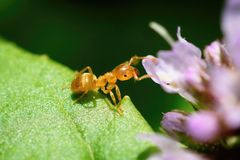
(125, 72)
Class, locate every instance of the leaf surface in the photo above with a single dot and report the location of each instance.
(38, 119)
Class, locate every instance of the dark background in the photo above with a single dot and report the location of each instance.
(103, 34)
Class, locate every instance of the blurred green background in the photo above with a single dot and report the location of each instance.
(103, 34)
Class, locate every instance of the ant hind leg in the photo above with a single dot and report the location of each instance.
(80, 97)
(88, 68)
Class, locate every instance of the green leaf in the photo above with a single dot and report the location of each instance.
(39, 121)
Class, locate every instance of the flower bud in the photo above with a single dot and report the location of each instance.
(216, 55)
(203, 126)
(173, 123)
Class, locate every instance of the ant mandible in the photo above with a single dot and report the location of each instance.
(87, 81)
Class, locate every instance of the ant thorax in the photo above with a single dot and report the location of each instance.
(108, 77)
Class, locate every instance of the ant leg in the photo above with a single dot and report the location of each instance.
(119, 108)
(118, 93)
(134, 60)
(105, 91)
(109, 90)
(113, 98)
(142, 77)
(88, 68)
(80, 97)
(119, 97)
(110, 86)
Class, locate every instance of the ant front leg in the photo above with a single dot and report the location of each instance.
(142, 77)
(134, 60)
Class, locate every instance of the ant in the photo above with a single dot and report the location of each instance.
(87, 81)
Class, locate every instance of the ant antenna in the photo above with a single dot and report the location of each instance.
(162, 32)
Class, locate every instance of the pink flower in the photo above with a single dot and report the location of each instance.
(211, 81)
(178, 68)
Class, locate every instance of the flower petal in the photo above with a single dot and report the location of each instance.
(231, 29)
(160, 73)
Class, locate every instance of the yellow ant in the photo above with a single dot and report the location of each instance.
(87, 81)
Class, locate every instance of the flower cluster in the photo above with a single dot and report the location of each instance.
(210, 81)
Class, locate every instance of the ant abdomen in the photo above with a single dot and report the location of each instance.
(83, 83)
